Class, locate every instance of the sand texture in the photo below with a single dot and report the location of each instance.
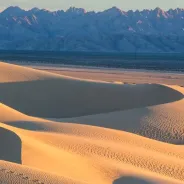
(59, 129)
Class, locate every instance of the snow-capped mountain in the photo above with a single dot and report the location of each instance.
(77, 30)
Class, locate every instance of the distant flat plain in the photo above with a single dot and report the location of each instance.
(130, 76)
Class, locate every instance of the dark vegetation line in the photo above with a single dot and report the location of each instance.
(148, 61)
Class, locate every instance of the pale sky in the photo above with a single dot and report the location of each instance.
(96, 5)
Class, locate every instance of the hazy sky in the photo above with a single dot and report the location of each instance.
(96, 5)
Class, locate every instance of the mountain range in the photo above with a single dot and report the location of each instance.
(112, 30)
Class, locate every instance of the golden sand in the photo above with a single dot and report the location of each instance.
(57, 129)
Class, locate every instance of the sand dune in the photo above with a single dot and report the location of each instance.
(99, 151)
(15, 73)
(105, 146)
(67, 97)
(162, 122)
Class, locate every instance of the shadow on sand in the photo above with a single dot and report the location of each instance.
(131, 180)
(67, 98)
(10, 145)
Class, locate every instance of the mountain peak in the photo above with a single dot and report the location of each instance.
(76, 10)
(114, 11)
(160, 12)
(13, 10)
(35, 9)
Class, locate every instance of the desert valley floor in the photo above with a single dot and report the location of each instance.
(82, 126)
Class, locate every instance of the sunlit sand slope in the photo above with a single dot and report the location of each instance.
(101, 148)
(97, 145)
(97, 155)
(15, 73)
(11, 173)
